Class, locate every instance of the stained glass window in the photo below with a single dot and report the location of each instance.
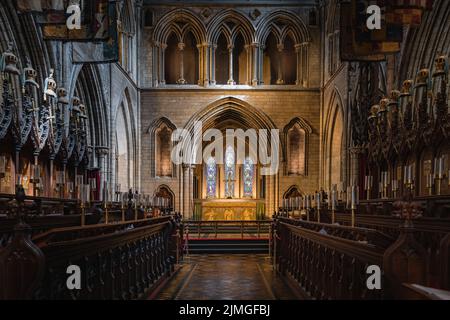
(249, 170)
(211, 178)
(230, 169)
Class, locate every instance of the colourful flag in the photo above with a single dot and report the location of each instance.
(357, 42)
(40, 5)
(409, 12)
(94, 24)
(100, 51)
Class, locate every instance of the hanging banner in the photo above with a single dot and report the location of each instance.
(358, 42)
(102, 51)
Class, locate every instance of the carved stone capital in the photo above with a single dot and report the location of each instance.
(102, 151)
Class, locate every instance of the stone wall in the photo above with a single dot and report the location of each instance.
(281, 106)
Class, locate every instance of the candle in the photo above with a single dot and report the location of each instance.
(70, 187)
(318, 200)
(441, 168)
(87, 193)
(430, 180)
(80, 180)
(410, 175)
(354, 198)
(394, 185)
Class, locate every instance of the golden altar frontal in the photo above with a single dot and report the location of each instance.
(229, 210)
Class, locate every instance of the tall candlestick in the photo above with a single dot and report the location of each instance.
(354, 204)
(410, 175)
(318, 199)
(333, 207)
(441, 167)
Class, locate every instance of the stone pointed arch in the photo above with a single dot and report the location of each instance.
(292, 190)
(234, 22)
(241, 113)
(155, 128)
(124, 144)
(334, 140)
(179, 21)
(305, 129)
(290, 23)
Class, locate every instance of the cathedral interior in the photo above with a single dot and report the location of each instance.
(214, 150)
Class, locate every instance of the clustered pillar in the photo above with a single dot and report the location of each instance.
(181, 47)
(231, 81)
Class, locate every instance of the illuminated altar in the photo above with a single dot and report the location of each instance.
(229, 210)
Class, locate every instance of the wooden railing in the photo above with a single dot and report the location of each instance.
(242, 229)
(325, 266)
(429, 232)
(329, 261)
(362, 235)
(118, 261)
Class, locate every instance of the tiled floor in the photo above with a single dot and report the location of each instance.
(226, 277)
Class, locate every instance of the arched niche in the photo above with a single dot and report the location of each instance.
(222, 60)
(270, 65)
(163, 149)
(172, 65)
(289, 62)
(191, 59)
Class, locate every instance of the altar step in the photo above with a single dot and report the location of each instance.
(228, 246)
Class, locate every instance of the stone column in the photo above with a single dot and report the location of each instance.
(298, 51)
(204, 65)
(255, 48)
(212, 66)
(181, 47)
(231, 81)
(201, 64)
(186, 179)
(155, 64)
(102, 153)
(162, 64)
(280, 48)
(261, 64)
(191, 191)
(305, 65)
(249, 54)
(180, 189)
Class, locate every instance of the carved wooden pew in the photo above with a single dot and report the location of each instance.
(42, 214)
(323, 266)
(365, 235)
(118, 261)
(405, 261)
(429, 232)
